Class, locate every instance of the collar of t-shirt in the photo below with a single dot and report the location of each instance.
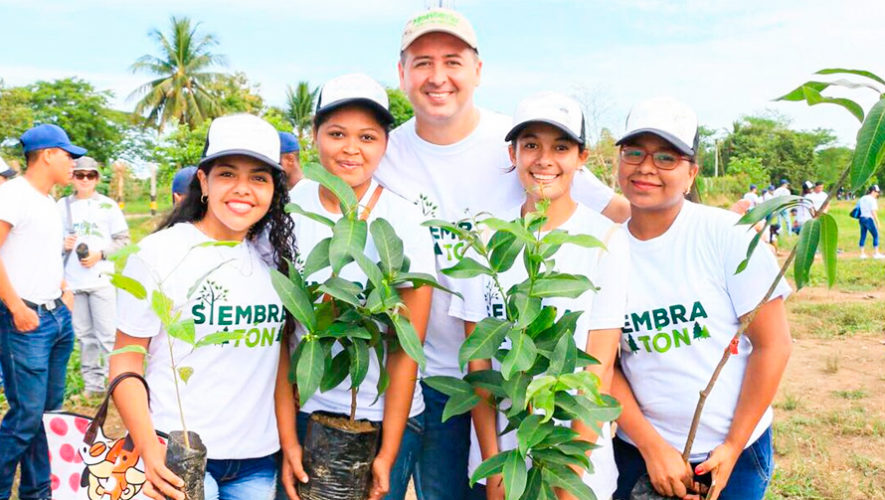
(363, 201)
(661, 241)
(448, 149)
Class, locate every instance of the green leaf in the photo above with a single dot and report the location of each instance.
(383, 376)
(421, 279)
(459, 404)
(295, 299)
(451, 227)
(450, 386)
(348, 238)
(121, 257)
(750, 249)
(296, 208)
(531, 432)
(521, 356)
(583, 380)
(559, 237)
(553, 456)
(490, 380)
(544, 321)
(798, 94)
(859, 72)
(389, 245)
(184, 373)
(533, 485)
(767, 208)
(515, 475)
(218, 338)
(539, 384)
(505, 247)
(343, 290)
(162, 305)
(585, 359)
(382, 299)
(484, 342)
(809, 236)
(829, 242)
(870, 143)
(346, 198)
(466, 268)
(527, 308)
(193, 288)
(370, 269)
(557, 437)
(562, 285)
(514, 228)
(565, 478)
(813, 97)
(359, 362)
(564, 357)
(337, 371)
(408, 339)
(214, 243)
(489, 467)
(129, 348)
(339, 330)
(130, 285)
(318, 258)
(516, 388)
(309, 368)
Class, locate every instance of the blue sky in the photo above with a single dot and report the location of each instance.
(725, 58)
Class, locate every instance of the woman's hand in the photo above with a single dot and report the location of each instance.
(291, 469)
(495, 487)
(669, 474)
(720, 463)
(161, 482)
(380, 477)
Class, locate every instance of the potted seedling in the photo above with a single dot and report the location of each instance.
(185, 452)
(821, 231)
(363, 319)
(541, 374)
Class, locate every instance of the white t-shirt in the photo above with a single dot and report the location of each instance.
(753, 198)
(817, 199)
(452, 182)
(406, 220)
(229, 399)
(604, 309)
(868, 205)
(781, 191)
(803, 211)
(94, 220)
(682, 314)
(32, 252)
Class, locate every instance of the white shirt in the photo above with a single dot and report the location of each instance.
(452, 182)
(781, 191)
(868, 204)
(94, 220)
(229, 399)
(682, 314)
(817, 199)
(32, 252)
(753, 198)
(417, 246)
(604, 309)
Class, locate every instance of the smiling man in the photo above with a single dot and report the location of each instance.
(451, 160)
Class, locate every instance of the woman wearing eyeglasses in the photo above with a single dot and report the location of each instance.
(94, 227)
(682, 312)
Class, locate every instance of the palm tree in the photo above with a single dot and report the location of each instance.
(299, 106)
(180, 93)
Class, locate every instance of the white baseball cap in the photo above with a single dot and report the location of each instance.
(667, 118)
(438, 20)
(5, 170)
(242, 134)
(353, 88)
(554, 109)
(86, 163)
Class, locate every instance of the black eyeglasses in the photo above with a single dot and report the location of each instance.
(86, 175)
(664, 160)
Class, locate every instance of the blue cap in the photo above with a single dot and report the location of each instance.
(289, 143)
(752, 187)
(182, 179)
(771, 187)
(784, 181)
(49, 136)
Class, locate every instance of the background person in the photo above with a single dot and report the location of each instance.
(450, 160)
(180, 183)
(818, 196)
(6, 173)
(869, 221)
(289, 160)
(752, 196)
(36, 337)
(94, 228)
(692, 302)
(783, 217)
(239, 190)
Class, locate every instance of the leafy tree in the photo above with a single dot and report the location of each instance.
(278, 118)
(235, 94)
(16, 115)
(299, 106)
(830, 162)
(751, 169)
(182, 91)
(181, 148)
(400, 107)
(603, 159)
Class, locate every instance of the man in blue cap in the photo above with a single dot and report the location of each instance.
(180, 183)
(783, 217)
(36, 301)
(289, 150)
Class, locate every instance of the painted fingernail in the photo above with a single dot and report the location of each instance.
(698, 470)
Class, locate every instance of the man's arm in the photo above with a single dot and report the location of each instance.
(24, 318)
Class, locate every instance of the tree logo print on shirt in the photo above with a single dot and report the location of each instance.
(211, 309)
(86, 228)
(664, 328)
(106, 206)
(428, 208)
(210, 293)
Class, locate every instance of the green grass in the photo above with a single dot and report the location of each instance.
(851, 395)
(143, 206)
(837, 319)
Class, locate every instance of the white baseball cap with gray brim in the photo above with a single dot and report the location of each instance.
(667, 118)
(551, 108)
(438, 20)
(354, 88)
(86, 163)
(242, 134)
(6, 171)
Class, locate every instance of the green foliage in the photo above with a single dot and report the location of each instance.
(538, 378)
(182, 91)
(364, 320)
(299, 107)
(400, 107)
(751, 168)
(235, 94)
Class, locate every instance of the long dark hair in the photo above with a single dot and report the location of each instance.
(281, 228)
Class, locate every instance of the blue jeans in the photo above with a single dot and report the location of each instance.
(749, 478)
(868, 225)
(405, 459)
(441, 470)
(34, 365)
(243, 479)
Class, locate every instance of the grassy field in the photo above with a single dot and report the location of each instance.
(829, 430)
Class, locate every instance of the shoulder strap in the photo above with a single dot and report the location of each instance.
(102, 413)
(372, 201)
(69, 229)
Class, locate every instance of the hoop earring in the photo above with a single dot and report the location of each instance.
(204, 199)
